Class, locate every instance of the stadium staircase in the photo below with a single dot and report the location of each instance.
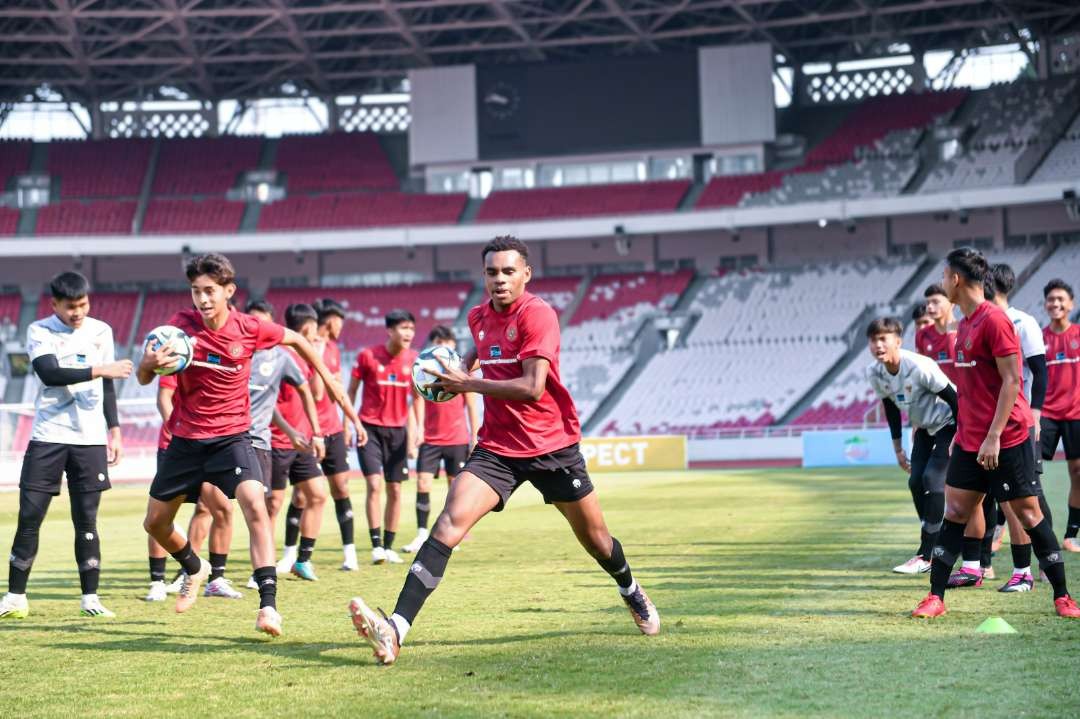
(579, 297)
(252, 210)
(148, 183)
(646, 344)
(1056, 127)
(689, 200)
(918, 282)
(472, 207)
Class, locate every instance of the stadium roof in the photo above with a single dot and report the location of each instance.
(214, 49)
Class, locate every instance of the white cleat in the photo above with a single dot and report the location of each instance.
(251, 583)
(92, 607)
(14, 606)
(378, 555)
(221, 587)
(157, 592)
(174, 586)
(350, 563)
(915, 565)
(268, 622)
(392, 557)
(287, 559)
(414, 546)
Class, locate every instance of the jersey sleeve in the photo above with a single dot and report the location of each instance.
(539, 326)
(39, 341)
(291, 372)
(358, 367)
(1001, 336)
(1031, 338)
(268, 334)
(167, 381)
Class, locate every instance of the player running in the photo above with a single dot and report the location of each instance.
(335, 462)
(938, 340)
(1061, 413)
(530, 433)
(909, 382)
(443, 438)
(993, 452)
(210, 427)
(385, 371)
(76, 432)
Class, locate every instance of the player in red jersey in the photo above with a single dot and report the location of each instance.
(442, 437)
(938, 341)
(530, 433)
(210, 441)
(992, 450)
(385, 371)
(1061, 411)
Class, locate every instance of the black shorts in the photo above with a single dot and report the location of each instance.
(1015, 476)
(1036, 447)
(293, 467)
(451, 456)
(224, 462)
(560, 476)
(1067, 431)
(385, 453)
(86, 466)
(266, 466)
(337, 455)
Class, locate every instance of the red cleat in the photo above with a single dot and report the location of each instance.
(930, 607)
(1066, 607)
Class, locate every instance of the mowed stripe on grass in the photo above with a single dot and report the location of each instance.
(773, 585)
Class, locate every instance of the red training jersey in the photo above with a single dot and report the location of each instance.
(167, 381)
(213, 389)
(939, 347)
(528, 328)
(1063, 374)
(444, 422)
(384, 398)
(291, 407)
(329, 419)
(988, 333)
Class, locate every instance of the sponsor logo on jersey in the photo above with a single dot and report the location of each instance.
(1060, 356)
(942, 356)
(495, 352)
(392, 377)
(213, 359)
(80, 358)
(901, 397)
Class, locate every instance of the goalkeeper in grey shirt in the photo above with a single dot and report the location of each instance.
(913, 383)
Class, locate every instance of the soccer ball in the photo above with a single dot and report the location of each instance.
(429, 359)
(182, 346)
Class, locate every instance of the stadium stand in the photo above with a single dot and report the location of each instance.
(583, 201)
(1063, 263)
(204, 165)
(9, 221)
(10, 305)
(175, 215)
(1063, 161)
(14, 159)
(556, 291)
(100, 168)
(382, 209)
(340, 161)
(1007, 118)
(80, 217)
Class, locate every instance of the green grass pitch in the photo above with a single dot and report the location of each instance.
(773, 585)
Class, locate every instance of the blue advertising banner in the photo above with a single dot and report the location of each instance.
(849, 448)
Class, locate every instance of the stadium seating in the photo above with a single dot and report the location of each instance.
(204, 166)
(340, 161)
(175, 215)
(583, 201)
(9, 221)
(615, 305)
(100, 168)
(14, 159)
(80, 217)
(556, 291)
(1063, 263)
(728, 190)
(117, 309)
(382, 209)
(431, 304)
(10, 306)
(1007, 118)
(591, 374)
(1063, 162)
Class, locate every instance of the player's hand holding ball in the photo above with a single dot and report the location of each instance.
(439, 374)
(168, 350)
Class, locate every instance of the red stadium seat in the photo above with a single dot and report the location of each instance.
(78, 217)
(583, 201)
(186, 215)
(204, 165)
(9, 221)
(100, 168)
(340, 161)
(384, 209)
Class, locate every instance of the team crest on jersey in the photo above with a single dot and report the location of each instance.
(511, 333)
(236, 349)
(967, 343)
(1075, 344)
(496, 351)
(266, 369)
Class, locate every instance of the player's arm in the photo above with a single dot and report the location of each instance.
(419, 409)
(529, 387)
(948, 396)
(307, 397)
(896, 431)
(165, 402)
(115, 443)
(311, 356)
(299, 441)
(411, 437)
(473, 410)
(155, 359)
(51, 374)
(1009, 371)
(1039, 381)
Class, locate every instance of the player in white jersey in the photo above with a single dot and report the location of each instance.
(908, 381)
(76, 431)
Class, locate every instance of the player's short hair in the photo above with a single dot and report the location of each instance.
(259, 306)
(440, 333)
(934, 290)
(918, 311)
(504, 243)
(1058, 284)
(297, 315)
(327, 308)
(884, 325)
(214, 265)
(396, 317)
(1003, 279)
(69, 286)
(969, 263)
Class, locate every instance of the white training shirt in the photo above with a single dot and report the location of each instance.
(1031, 341)
(914, 390)
(71, 414)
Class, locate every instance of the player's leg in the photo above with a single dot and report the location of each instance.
(1046, 548)
(397, 472)
(308, 484)
(249, 495)
(1021, 579)
(335, 467)
(281, 462)
(84, 510)
(927, 485)
(484, 486)
(970, 572)
(427, 466)
(158, 523)
(158, 557)
(221, 529)
(1072, 524)
(986, 545)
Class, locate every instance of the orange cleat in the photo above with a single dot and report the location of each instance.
(1066, 607)
(930, 607)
